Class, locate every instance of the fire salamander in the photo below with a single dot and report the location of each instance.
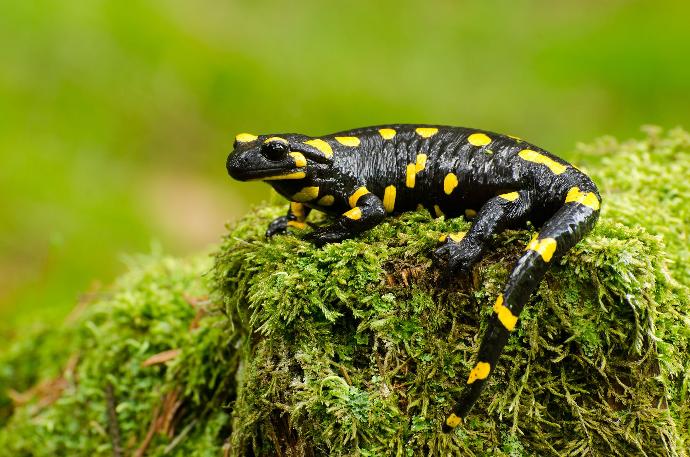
(499, 181)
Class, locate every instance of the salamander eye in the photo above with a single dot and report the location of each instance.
(275, 150)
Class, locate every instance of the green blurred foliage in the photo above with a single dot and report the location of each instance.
(116, 117)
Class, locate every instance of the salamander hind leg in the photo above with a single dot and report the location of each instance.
(503, 211)
(560, 233)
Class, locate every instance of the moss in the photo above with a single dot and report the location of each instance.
(102, 352)
(359, 348)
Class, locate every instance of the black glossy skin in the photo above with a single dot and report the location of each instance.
(502, 182)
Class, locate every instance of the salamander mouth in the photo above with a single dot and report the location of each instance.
(270, 174)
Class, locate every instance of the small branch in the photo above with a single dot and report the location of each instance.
(113, 425)
(149, 435)
(161, 357)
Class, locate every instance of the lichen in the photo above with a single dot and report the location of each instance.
(360, 348)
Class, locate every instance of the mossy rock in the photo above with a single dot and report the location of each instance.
(359, 348)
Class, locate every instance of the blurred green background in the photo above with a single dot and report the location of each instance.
(116, 117)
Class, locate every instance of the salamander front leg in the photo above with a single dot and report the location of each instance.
(497, 214)
(295, 217)
(366, 213)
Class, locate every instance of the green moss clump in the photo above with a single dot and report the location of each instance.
(161, 305)
(359, 348)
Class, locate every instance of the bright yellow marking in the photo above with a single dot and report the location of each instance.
(300, 160)
(352, 141)
(354, 214)
(437, 210)
(410, 177)
(322, 146)
(426, 132)
(295, 175)
(575, 195)
(505, 316)
(389, 199)
(545, 247)
(355, 196)
(510, 196)
(297, 210)
(306, 194)
(480, 371)
(457, 237)
(453, 421)
(450, 182)
(245, 137)
(387, 134)
(413, 169)
(533, 156)
(297, 224)
(421, 162)
(326, 200)
(470, 213)
(479, 139)
(276, 138)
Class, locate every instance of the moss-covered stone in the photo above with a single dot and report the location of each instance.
(359, 348)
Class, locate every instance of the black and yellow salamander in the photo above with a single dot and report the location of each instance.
(360, 176)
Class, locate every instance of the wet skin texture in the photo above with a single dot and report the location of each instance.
(360, 176)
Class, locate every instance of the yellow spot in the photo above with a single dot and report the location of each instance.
(389, 199)
(505, 316)
(584, 198)
(306, 194)
(510, 196)
(545, 247)
(300, 161)
(297, 224)
(355, 196)
(321, 146)
(245, 137)
(296, 175)
(437, 210)
(479, 139)
(426, 132)
(470, 213)
(348, 140)
(533, 156)
(410, 177)
(354, 214)
(276, 138)
(457, 237)
(450, 182)
(453, 421)
(387, 134)
(480, 371)
(413, 169)
(421, 162)
(326, 200)
(297, 210)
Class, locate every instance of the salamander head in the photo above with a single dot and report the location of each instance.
(275, 157)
